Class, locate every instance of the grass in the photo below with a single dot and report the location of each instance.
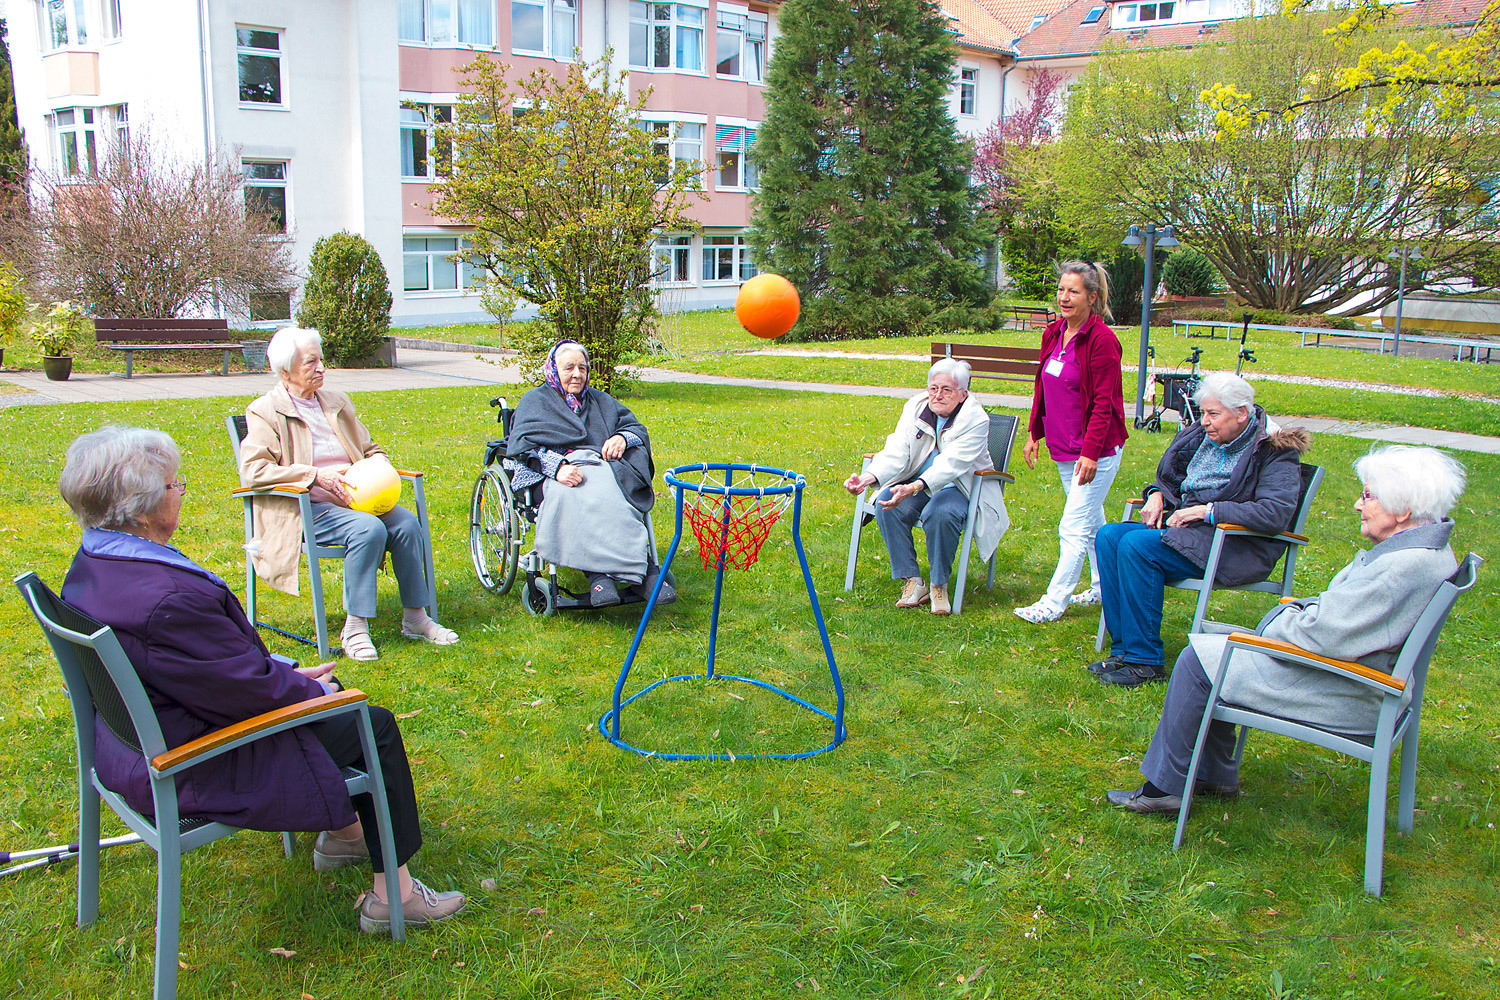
(958, 832)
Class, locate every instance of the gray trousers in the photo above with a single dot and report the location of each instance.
(1171, 751)
(942, 518)
(368, 538)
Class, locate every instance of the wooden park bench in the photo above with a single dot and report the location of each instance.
(1011, 364)
(1029, 317)
(131, 335)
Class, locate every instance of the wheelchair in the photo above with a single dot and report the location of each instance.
(501, 515)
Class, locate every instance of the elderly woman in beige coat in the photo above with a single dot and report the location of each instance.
(302, 434)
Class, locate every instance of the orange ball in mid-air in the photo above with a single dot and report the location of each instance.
(767, 305)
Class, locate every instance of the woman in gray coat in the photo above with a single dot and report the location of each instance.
(1365, 615)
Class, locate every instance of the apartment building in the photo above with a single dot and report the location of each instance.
(329, 109)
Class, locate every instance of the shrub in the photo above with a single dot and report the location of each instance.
(59, 328)
(1188, 272)
(12, 304)
(347, 298)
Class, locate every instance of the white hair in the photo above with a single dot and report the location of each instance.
(1424, 481)
(114, 476)
(957, 370)
(286, 344)
(1226, 389)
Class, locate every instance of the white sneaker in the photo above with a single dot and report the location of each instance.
(913, 593)
(1038, 613)
(1084, 598)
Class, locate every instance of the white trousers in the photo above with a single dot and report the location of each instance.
(1082, 517)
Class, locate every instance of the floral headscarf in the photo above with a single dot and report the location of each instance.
(549, 371)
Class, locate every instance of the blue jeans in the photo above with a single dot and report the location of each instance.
(1135, 564)
(368, 538)
(942, 518)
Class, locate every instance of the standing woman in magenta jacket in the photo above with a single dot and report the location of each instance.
(1078, 406)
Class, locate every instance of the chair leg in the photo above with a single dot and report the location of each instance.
(88, 851)
(1406, 801)
(168, 911)
(859, 517)
(419, 491)
(1099, 636)
(320, 618)
(288, 843)
(1380, 772)
(989, 583)
(375, 779)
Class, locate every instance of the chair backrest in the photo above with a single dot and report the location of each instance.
(1416, 652)
(93, 661)
(237, 427)
(1312, 478)
(1002, 439)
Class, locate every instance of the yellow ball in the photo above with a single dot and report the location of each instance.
(374, 487)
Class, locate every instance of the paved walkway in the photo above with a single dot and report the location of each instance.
(424, 369)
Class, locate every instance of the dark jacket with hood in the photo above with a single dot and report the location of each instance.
(1262, 495)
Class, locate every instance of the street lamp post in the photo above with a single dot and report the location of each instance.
(1150, 237)
(1401, 297)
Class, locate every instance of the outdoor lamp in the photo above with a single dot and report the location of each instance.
(1150, 238)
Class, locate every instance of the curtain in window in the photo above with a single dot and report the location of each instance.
(410, 26)
(476, 22)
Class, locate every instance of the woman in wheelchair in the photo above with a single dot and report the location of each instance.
(302, 434)
(595, 458)
(204, 668)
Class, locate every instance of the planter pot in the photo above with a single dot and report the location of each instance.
(57, 368)
(383, 356)
(254, 352)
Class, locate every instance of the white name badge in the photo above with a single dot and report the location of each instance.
(1054, 367)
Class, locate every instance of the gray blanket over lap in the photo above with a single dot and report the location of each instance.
(591, 527)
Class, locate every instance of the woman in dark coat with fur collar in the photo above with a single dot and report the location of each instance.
(1233, 466)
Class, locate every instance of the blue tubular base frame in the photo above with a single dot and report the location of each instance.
(609, 722)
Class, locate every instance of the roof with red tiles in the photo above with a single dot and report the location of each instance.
(1064, 33)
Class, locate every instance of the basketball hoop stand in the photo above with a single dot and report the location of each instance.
(731, 520)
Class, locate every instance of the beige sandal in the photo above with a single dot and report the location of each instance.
(358, 646)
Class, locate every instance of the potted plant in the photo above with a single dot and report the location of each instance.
(12, 306)
(56, 331)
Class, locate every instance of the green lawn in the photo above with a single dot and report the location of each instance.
(955, 845)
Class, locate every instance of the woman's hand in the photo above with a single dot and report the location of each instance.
(1151, 513)
(902, 492)
(614, 448)
(569, 475)
(320, 672)
(859, 482)
(333, 482)
(1084, 470)
(1188, 515)
(1029, 451)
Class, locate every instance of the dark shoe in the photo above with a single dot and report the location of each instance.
(668, 592)
(1134, 801)
(1133, 674)
(1217, 791)
(1104, 666)
(602, 591)
(330, 853)
(424, 907)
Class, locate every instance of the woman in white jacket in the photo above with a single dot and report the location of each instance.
(927, 468)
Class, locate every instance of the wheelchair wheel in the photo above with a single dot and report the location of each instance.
(538, 598)
(494, 531)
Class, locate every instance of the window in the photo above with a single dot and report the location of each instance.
(120, 113)
(740, 45)
(726, 258)
(265, 191)
(1092, 17)
(672, 255)
(968, 90)
(77, 140)
(65, 24)
(421, 156)
(1146, 13)
(678, 141)
(667, 36)
(1210, 10)
(114, 27)
(438, 264)
(446, 22)
(735, 167)
(259, 52)
(546, 27)
(271, 306)
(1036, 22)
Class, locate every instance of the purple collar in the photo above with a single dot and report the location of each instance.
(109, 544)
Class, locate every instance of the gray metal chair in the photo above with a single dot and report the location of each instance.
(235, 425)
(1277, 583)
(1400, 716)
(102, 682)
(1002, 438)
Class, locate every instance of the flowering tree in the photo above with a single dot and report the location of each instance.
(1001, 146)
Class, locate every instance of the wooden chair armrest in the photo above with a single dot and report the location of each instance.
(281, 718)
(1135, 502)
(290, 489)
(1286, 536)
(869, 454)
(996, 474)
(408, 474)
(1286, 600)
(1348, 668)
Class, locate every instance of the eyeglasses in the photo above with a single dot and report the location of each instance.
(941, 392)
(180, 483)
(1366, 495)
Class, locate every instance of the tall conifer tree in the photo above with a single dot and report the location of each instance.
(13, 157)
(865, 203)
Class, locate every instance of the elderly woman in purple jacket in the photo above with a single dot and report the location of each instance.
(204, 667)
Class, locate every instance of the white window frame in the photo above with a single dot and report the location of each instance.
(735, 136)
(1130, 15)
(467, 276)
(645, 16)
(84, 124)
(968, 90)
(735, 253)
(451, 11)
(750, 38)
(282, 184)
(72, 16)
(672, 254)
(552, 13)
(269, 322)
(432, 110)
(245, 49)
(673, 132)
(111, 20)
